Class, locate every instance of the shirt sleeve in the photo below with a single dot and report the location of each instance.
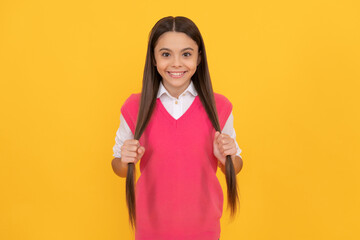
(229, 129)
(123, 133)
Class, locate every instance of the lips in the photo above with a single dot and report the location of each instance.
(176, 74)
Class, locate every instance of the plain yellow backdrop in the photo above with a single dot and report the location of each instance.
(290, 68)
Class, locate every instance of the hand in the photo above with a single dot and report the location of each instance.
(131, 151)
(224, 145)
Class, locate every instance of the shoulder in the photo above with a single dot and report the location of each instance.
(132, 101)
(133, 98)
(220, 99)
(223, 107)
(129, 110)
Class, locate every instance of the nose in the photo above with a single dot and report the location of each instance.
(176, 61)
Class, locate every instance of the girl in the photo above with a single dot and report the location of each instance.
(174, 127)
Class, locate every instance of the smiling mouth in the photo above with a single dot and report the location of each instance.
(176, 74)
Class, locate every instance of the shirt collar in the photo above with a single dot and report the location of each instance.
(191, 89)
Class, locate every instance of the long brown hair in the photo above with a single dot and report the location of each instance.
(150, 87)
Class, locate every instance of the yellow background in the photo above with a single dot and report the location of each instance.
(290, 68)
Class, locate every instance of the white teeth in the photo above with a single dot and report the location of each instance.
(177, 74)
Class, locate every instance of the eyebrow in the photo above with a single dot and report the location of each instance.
(167, 49)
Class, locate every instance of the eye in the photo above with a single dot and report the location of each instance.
(164, 53)
(189, 54)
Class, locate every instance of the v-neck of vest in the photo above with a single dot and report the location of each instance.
(188, 111)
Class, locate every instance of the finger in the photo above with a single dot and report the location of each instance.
(128, 159)
(129, 154)
(132, 148)
(228, 146)
(225, 135)
(222, 139)
(231, 151)
(129, 148)
(141, 152)
(226, 140)
(134, 142)
(216, 136)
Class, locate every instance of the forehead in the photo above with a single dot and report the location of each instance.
(175, 40)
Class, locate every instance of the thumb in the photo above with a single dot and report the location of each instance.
(141, 151)
(217, 133)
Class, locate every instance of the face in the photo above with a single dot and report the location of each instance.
(176, 57)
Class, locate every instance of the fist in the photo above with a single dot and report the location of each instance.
(223, 145)
(131, 151)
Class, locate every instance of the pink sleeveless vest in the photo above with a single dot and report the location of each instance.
(178, 195)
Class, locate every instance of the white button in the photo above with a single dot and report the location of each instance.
(176, 102)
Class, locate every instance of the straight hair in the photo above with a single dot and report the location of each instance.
(150, 86)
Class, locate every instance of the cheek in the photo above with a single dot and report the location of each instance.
(161, 66)
(191, 64)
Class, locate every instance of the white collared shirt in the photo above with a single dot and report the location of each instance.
(176, 108)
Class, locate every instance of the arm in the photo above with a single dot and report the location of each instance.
(119, 167)
(229, 129)
(132, 153)
(238, 164)
(123, 133)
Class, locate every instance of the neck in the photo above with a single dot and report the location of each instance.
(176, 92)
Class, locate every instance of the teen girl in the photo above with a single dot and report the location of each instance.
(182, 131)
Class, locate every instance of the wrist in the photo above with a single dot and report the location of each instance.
(222, 161)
